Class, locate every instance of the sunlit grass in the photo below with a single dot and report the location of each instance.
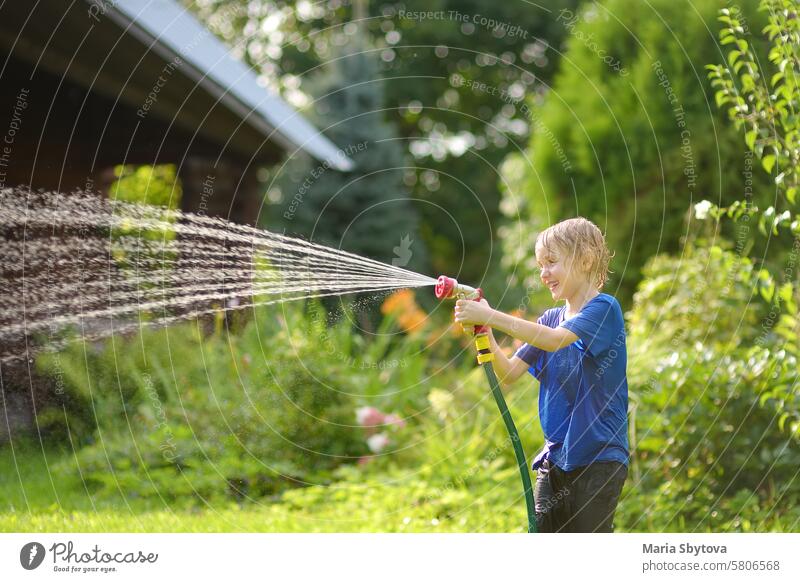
(35, 498)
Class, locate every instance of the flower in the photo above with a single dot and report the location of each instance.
(378, 442)
(395, 420)
(369, 416)
(441, 402)
(701, 209)
(402, 305)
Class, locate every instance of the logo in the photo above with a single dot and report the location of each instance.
(31, 555)
(403, 252)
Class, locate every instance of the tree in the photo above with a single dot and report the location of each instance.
(714, 332)
(767, 111)
(457, 132)
(368, 210)
(628, 136)
(764, 104)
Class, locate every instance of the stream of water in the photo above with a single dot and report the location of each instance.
(81, 266)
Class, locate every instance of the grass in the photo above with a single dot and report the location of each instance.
(35, 498)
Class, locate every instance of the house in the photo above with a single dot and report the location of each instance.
(92, 84)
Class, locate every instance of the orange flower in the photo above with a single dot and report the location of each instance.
(402, 305)
(398, 301)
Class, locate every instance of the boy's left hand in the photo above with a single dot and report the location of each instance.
(468, 312)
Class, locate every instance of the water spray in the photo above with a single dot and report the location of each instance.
(449, 288)
(79, 266)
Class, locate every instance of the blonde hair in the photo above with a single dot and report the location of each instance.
(580, 238)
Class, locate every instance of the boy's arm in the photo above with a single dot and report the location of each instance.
(543, 337)
(550, 339)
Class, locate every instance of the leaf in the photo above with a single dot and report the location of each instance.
(750, 138)
(762, 222)
(767, 289)
(748, 85)
(786, 294)
(765, 396)
(768, 162)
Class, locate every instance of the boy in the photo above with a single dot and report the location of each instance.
(578, 354)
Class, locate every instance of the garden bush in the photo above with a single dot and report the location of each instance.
(179, 414)
(629, 147)
(708, 383)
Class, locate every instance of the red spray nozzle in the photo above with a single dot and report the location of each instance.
(449, 288)
(444, 287)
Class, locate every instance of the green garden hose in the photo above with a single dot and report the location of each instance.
(515, 441)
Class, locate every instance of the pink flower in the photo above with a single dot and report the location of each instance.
(395, 420)
(369, 416)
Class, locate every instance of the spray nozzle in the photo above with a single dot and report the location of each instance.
(449, 288)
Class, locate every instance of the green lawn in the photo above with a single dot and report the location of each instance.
(35, 498)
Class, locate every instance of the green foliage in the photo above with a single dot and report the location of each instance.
(709, 387)
(179, 416)
(478, 498)
(713, 367)
(151, 185)
(154, 185)
(449, 472)
(712, 453)
(766, 110)
(366, 211)
(764, 103)
(459, 133)
(629, 151)
(680, 301)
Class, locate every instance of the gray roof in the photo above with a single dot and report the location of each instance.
(173, 31)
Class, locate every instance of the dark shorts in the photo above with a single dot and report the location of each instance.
(579, 501)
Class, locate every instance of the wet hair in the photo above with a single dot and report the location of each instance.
(580, 238)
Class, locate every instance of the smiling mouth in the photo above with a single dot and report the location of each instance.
(553, 286)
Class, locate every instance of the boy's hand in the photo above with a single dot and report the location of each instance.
(468, 312)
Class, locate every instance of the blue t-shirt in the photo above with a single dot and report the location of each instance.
(583, 387)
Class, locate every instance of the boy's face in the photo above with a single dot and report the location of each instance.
(557, 272)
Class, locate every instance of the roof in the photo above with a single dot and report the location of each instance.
(174, 32)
